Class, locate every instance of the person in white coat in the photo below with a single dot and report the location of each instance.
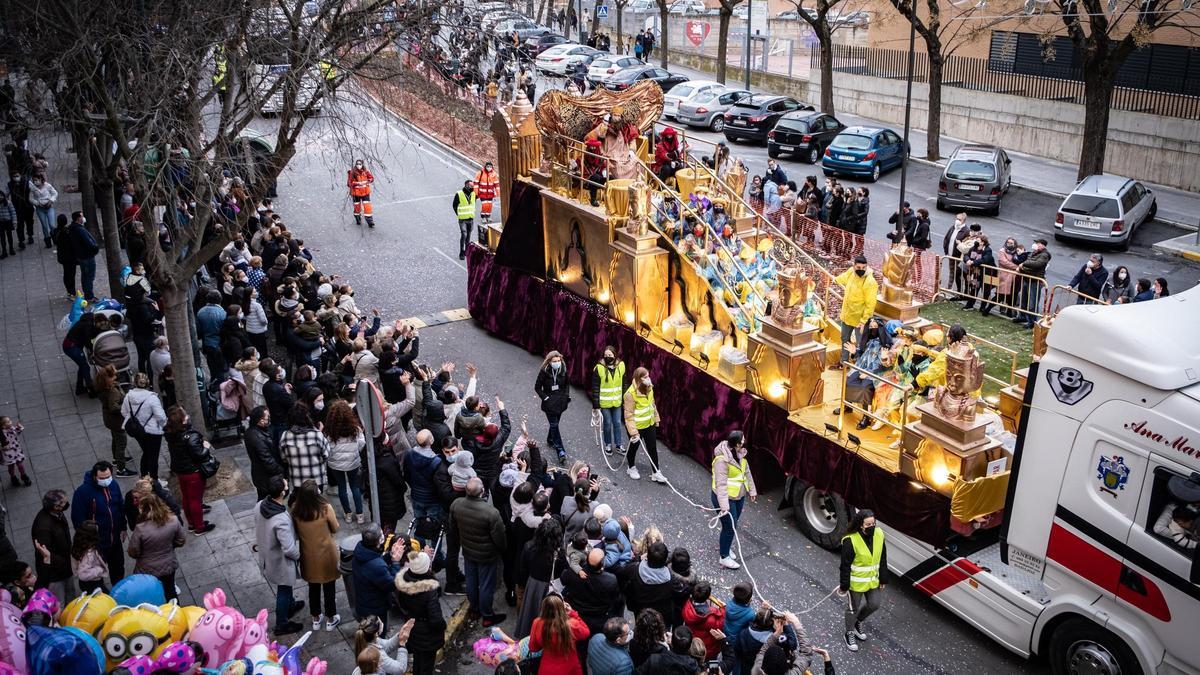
(42, 196)
(143, 405)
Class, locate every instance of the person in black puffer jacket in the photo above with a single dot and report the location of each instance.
(390, 478)
(417, 597)
(265, 461)
(486, 447)
(188, 450)
(435, 414)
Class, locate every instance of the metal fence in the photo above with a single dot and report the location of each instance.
(965, 72)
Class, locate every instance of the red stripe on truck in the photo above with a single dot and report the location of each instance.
(948, 576)
(1102, 569)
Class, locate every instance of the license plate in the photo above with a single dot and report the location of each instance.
(737, 123)
(1087, 225)
(787, 148)
(969, 188)
(846, 158)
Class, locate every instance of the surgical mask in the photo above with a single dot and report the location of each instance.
(104, 482)
(557, 365)
(1090, 264)
(860, 272)
(610, 360)
(282, 374)
(1121, 276)
(646, 381)
(319, 405)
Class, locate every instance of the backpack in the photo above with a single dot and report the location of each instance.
(134, 426)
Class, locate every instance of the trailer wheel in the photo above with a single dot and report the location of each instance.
(1080, 647)
(821, 516)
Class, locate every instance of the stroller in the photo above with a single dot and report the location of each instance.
(423, 530)
(110, 349)
(223, 398)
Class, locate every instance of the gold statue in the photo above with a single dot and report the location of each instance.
(897, 265)
(735, 178)
(638, 222)
(794, 288)
(616, 119)
(1040, 330)
(957, 400)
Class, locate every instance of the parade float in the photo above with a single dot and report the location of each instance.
(739, 331)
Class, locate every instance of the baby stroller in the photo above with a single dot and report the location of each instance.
(224, 408)
(423, 530)
(110, 349)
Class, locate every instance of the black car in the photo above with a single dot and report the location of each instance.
(755, 116)
(804, 134)
(536, 45)
(624, 79)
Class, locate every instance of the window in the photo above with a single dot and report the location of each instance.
(892, 138)
(852, 142)
(1171, 518)
(830, 123)
(1128, 201)
(1091, 205)
(728, 99)
(970, 169)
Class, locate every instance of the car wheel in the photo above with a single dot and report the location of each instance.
(827, 172)
(874, 172)
(814, 154)
(995, 210)
(772, 152)
(1080, 646)
(821, 516)
(731, 139)
(718, 124)
(941, 206)
(1153, 212)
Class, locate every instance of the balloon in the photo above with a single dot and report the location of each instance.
(176, 657)
(134, 631)
(12, 633)
(92, 643)
(55, 651)
(182, 618)
(136, 589)
(88, 612)
(224, 632)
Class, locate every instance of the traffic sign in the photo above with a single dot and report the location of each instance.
(602, 12)
(369, 407)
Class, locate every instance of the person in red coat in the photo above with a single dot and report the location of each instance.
(359, 181)
(487, 182)
(704, 614)
(668, 155)
(555, 633)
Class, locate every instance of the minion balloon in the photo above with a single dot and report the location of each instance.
(134, 631)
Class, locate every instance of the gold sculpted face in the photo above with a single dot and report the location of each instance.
(964, 376)
(897, 264)
(794, 287)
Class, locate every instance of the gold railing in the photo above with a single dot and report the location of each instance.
(906, 391)
(1010, 355)
(953, 280)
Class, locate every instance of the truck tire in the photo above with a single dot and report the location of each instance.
(821, 516)
(1080, 646)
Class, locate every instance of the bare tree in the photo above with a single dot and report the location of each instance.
(724, 15)
(620, 6)
(1105, 35)
(816, 13)
(167, 93)
(664, 16)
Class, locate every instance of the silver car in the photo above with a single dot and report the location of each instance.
(976, 177)
(708, 110)
(1105, 208)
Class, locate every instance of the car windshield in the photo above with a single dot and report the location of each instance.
(682, 91)
(1091, 205)
(970, 169)
(851, 142)
(792, 125)
(601, 63)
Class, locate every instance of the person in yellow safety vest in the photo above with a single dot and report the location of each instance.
(641, 421)
(732, 482)
(863, 573)
(220, 78)
(464, 210)
(608, 381)
(858, 301)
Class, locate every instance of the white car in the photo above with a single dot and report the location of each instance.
(560, 59)
(604, 66)
(687, 7)
(687, 91)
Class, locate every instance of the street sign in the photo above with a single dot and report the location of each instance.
(369, 406)
(602, 12)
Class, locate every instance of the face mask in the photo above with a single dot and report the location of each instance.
(556, 365)
(646, 381)
(1121, 276)
(610, 360)
(104, 482)
(282, 374)
(1010, 247)
(1090, 264)
(860, 272)
(319, 406)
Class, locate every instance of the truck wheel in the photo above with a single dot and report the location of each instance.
(821, 516)
(1080, 646)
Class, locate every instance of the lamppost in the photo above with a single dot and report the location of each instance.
(746, 45)
(912, 43)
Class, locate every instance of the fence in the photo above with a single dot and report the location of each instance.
(965, 72)
(1004, 290)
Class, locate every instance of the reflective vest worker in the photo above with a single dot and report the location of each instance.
(464, 210)
(858, 300)
(608, 381)
(731, 484)
(359, 181)
(641, 421)
(487, 182)
(863, 574)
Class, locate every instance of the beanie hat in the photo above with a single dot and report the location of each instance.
(602, 513)
(775, 661)
(419, 563)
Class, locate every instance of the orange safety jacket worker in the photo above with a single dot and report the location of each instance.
(359, 181)
(487, 181)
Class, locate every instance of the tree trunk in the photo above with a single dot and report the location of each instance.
(1098, 85)
(595, 21)
(620, 22)
(83, 175)
(722, 43)
(183, 362)
(933, 131)
(663, 17)
(825, 40)
(107, 203)
(529, 8)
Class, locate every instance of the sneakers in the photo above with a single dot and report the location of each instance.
(729, 563)
(455, 589)
(332, 623)
(317, 620)
(361, 519)
(620, 449)
(125, 472)
(489, 621)
(208, 527)
(877, 425)
(858, 632)
(608, 450)
(289, 628)
(632, 472)
(851, 643)
(349, 517)
(657, 477)
(562, 456)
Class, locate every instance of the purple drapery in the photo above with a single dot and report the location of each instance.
(697, 410)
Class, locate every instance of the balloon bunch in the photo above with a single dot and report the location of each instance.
(135, 631)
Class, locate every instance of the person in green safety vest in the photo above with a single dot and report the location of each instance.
(608, 381)
(464, 210)
(641, 421)
(863, 573)
(731, 484)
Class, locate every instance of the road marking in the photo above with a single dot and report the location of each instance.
(438, 318)
(416, 199)
(443, 254)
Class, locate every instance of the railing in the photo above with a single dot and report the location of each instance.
(906, 391)
(987, 349)
(979, 75)
(1054, 300)
(981, 284)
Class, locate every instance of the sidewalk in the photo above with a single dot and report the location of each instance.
(1038, 174)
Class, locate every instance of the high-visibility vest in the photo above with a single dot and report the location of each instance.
(643, 408)
(735, 476)
(610, 384)
(864, 571)
(486, 183)
(466, 206)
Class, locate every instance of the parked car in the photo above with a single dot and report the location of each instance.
(685, 92)
(753, 117)
(524, 28)
(560, 59)
(976, 177)
(864, 151)
(534, 46)
(1107, 208)
(610, 65)
(793, 15)
(489, 20)
(686, 7)
(624, 79)
(642, 7)
(804, 134)
(708, 110)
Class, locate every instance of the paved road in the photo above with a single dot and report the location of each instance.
(400, 267)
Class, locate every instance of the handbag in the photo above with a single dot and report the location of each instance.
(134, 426)
(209, 466)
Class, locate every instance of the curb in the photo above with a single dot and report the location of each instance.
(454, 628)
(1186, 251)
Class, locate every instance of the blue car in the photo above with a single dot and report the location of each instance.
(864, 151)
